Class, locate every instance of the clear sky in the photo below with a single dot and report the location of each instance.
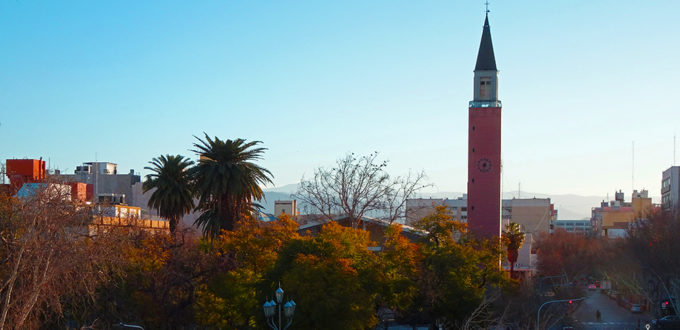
(125, 81)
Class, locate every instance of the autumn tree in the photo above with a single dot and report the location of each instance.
(571, 254)
(157, 289)
(357, 186)
(52, 264)
(653, 245)
(400, 261)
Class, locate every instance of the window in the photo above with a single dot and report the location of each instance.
(484, 88)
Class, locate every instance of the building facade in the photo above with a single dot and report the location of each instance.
(484, 144)
(418, 208)
(573, 226)
(288, 207)
(106, 182)
(612, 219)
(670, 190)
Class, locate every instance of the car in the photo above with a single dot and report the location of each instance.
(591, 286)
(667, 322)
(636, 308)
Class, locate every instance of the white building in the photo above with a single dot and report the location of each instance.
(573, 226)
(418, 208)
(105, 180)
(287, 207)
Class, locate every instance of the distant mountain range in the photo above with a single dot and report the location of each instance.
(569, 206)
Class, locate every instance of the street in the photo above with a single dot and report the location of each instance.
(612, 316)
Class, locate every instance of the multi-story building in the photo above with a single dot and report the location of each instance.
(106, 182)
(613, 218)
(574, 226)
(418, 208)
(670, 190)
(534, 215)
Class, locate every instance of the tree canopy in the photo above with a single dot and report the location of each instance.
(170, 181)
(227, 181)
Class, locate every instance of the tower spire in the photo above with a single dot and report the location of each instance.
(487, 7)
(486, 61)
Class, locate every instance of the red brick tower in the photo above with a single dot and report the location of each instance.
(484, 145)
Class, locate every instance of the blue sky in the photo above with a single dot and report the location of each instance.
(130, 80)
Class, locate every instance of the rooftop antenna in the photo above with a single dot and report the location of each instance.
(519, 190)
(674, 148)
(633, 168)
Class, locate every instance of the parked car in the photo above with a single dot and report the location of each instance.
(667, 322)
(591, 287)
(636, 308)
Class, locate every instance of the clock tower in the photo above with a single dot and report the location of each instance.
(484, 145)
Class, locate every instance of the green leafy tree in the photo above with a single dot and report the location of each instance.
(332, 278)
(229, 300)
(456, 270)
(170, 178)
(227, 181)
(512, 239)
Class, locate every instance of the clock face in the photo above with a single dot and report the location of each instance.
(484, 165)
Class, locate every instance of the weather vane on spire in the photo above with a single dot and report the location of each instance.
(487, 6)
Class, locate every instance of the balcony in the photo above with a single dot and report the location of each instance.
(485, 104)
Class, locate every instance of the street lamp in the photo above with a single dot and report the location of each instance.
(270, 310)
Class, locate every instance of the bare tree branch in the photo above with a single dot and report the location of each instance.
(358, 187)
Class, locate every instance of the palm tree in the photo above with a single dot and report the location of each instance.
(227, 181)
(513, 238)
(172, 197)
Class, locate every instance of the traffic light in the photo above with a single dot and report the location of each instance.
(570, 302)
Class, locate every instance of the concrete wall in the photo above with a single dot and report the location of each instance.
(418, 208)
(106, 183)
(532, 214)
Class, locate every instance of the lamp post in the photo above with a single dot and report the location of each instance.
(270, 311)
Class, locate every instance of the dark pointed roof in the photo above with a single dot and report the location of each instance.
(485, 58)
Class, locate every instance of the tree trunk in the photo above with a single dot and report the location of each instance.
(512, 259)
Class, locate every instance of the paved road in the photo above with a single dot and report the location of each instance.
(612, 316)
